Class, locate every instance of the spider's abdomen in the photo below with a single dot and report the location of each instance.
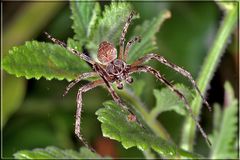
(106, 52)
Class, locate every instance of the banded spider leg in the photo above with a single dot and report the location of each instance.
(148, 69)
(102, 73)
(124, 31)
(178, 69)
(82, 90)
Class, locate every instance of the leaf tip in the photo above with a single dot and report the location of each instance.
(167, 14)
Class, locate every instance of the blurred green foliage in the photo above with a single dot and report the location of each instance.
(55, 153)
(224, 131)
(45, 119)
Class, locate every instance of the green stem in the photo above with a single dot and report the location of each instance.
(148, 154)
(155, 126)
(208, 69)
(28, 22)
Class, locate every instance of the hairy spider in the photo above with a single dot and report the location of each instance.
(113, 69)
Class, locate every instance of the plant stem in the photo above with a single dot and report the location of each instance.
(18, 29)
(208, 69)
(148, 154)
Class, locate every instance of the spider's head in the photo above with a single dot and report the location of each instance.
(106, 52)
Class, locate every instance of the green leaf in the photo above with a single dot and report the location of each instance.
(116, 125)
(55, 153)
(39, 59)
(217, 117)
(224, 134)
(74, 44)
(168, 100)
(110, 25)
(147, 31)
(84, 16)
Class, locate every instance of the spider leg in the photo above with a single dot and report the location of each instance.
(178, 69)
(103, 74)
(73, 51)
(105, 77)
(119, 101)
(124, 31)
(83, 89)
(115, 97)
(129, 44)
(151, 70)
(79, 78)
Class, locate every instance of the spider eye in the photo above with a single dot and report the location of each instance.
(106, 52)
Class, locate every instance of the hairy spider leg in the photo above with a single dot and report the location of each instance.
(129, 44)
(79, 78)
(157, 74)
(120, 102)
(102, 73)
(73, 51)
(178, 69)
(82, 90)
(124, 31)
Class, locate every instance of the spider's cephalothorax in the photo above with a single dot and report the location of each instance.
(113, 69)
(117, 69)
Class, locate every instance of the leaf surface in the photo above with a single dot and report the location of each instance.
(84, 16)
(39, 59)
(55, 153)
(168, 100)
(110, 25)
(116, 125)
(224, 135)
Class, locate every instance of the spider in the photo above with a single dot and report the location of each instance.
(114, 69)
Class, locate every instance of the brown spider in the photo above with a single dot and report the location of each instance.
(113, 69)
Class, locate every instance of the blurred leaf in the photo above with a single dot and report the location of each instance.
(225, 136)
(147, 31)
(116, 125)
(110, 25)
(55, 153)
(168, 100)
(39, 59)
(138, 87)
(226, 5)
(84, 16)
(187, 36)
(217, 117)
(13, 94)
